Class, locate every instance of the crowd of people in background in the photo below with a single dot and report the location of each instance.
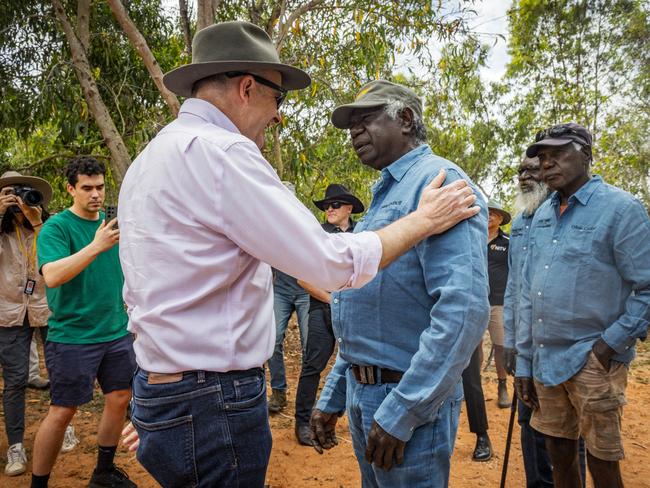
(404, 294)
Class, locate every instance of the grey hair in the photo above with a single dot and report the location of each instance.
(585, 150)
(419, 132)
(218, 79)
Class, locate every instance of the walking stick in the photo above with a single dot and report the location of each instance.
(506, 456)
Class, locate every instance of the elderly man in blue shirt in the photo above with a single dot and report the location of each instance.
(585, 302)
(405, 338)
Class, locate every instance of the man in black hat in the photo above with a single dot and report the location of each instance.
(404, 338)
(585, 302)
(202, 197)
(339, 204)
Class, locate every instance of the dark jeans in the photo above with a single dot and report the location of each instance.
(206, 430)
(539, 471)
(320, 346)
(14, 359)
(474, 400)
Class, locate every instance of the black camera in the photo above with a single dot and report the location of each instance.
(31, 196)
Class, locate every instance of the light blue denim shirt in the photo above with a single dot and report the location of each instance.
(519, 232)
(424, 314)
(587, 275)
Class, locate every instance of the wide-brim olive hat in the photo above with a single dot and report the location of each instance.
(232, 46)
(11, 178)
(339, 193)
(498, 208)
(377, 93)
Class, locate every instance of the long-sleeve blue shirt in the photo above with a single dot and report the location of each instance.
(519, 232)
(424, 314)
(587, 276)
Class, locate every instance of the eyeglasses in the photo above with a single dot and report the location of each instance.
(334, 205)
(262, 81)
(559, 131)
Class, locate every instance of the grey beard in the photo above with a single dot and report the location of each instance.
(529, 202)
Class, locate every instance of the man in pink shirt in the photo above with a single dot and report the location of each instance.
(203, 217)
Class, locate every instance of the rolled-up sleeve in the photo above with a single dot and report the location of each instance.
(256, 211)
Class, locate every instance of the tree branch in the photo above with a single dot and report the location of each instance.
(140, 45)
(83, 23)
(185, 25)
(284, 27)
(119, 155)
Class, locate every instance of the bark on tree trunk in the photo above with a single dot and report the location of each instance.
(140, 44)
(204, 14)
(185, 25)
(120, 158)
(277, 152)
(83, 23)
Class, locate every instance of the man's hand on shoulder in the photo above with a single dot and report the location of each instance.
(323, 430)
(382, 448)
(442, 207)
(105, 236)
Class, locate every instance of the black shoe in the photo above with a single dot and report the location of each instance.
(483, 449)
(303, 434)
(113, 478)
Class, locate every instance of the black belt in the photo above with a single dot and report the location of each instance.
(371, 375)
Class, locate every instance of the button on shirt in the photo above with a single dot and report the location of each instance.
(519, 232)
(202, 216)
(587, 276)
(424, 314)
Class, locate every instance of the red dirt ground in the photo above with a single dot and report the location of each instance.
(294, 466)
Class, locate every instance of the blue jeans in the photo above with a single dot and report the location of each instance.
(427, 457)
(206, 430)
(283, 306)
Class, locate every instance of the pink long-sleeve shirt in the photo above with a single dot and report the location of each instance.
(203, 217)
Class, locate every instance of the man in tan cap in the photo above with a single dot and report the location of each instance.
(23, 306)
(203, 217)
(405, 338)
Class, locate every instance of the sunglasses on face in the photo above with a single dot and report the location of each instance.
(559, 131)
(262, 81)
(334, 205)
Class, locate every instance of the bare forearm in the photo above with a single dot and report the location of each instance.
(317, 293)
(399, 237)
(59, 272)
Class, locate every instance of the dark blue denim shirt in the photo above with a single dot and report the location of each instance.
(587, 276)
(423, 314)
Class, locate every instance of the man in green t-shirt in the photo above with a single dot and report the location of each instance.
(87, 340)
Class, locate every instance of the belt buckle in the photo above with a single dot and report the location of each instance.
(367, 374)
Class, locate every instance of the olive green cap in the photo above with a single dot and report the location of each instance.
(232, 46)
(377, 93)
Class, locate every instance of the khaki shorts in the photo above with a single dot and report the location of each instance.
(495, 325)
(590, 404)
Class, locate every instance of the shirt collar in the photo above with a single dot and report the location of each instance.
(584, 192)
(398, 168)
(208, 112)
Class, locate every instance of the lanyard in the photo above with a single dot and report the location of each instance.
(31, 260)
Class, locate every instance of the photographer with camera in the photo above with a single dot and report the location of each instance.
(23, 307)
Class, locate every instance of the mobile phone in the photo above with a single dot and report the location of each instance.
(111, 213)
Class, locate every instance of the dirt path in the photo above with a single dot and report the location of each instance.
(294, 466)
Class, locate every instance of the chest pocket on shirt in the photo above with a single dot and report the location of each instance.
(578, 240)
(383, 217)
